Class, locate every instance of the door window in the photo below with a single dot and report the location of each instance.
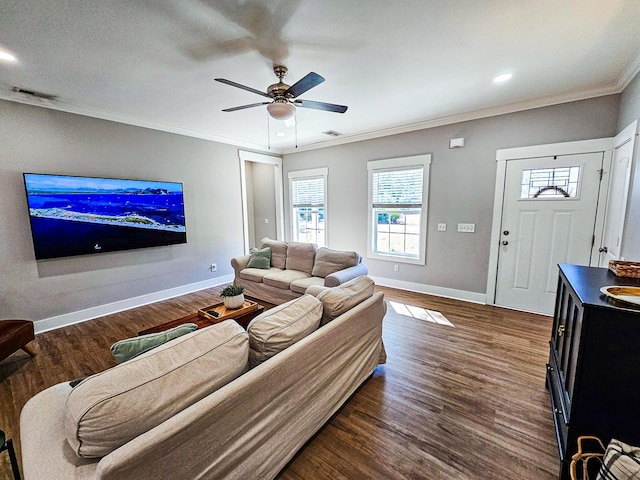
(555, 183)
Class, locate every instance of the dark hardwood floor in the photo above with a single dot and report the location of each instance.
(466, 401)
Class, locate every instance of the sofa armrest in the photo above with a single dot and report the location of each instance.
(342, 276)
(240, 263)
(315, 290)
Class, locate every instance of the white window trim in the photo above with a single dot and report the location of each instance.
(423, 161)
(313, 172)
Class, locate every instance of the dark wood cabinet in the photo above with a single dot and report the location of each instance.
(593, 374)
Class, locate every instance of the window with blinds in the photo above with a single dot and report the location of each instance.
(308, 197)
(308, 192)
(398, 208)
(399, 188)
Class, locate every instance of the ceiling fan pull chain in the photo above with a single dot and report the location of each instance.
(268, 133)
(295, 119)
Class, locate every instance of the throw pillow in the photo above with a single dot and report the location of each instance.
(111, 408)
(620, 461)
(331, 261)
(260, 258)
(132, 347)
(282, 326)
(278, 251)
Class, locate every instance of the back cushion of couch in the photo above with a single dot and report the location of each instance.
(109, 409)
(330, 261)
(300, 256)
(338, 300)
(282, 326)
(278, 251)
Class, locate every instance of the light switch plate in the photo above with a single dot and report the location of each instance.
(442, 227)
(467, 227)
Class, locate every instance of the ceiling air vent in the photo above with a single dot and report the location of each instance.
(332, 133)
(33, 93)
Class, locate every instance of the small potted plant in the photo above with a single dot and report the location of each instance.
(233, 296)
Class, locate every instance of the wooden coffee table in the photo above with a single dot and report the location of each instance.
(205, 317)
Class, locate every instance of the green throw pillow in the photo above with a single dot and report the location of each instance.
(132, 347)
(260, 258)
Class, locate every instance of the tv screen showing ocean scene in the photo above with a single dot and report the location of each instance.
(81, 215)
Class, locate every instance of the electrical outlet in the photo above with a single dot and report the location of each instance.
(396, 268)
(213, 267)
(467, 227)
(442, 227)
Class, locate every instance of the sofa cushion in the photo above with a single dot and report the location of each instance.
(338, 300)
(283, 278)
(260, 258)
(330, 261)
(132, 347)
(300, 286)
(278, 251)
(257, 274)
(282, 326)
(110, 408)
(300, 256)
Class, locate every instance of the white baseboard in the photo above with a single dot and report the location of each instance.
(432, 290)
(66, 319)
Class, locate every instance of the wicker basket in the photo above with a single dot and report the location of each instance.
(625, 269)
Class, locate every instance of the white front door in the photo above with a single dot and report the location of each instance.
(548, 217)
(617, 196)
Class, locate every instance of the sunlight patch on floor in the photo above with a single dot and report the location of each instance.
(420, 313)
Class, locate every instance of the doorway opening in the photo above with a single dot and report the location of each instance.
(262, 197)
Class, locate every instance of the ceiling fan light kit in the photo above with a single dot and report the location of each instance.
(281, 110)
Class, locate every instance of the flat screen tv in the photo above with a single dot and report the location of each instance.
(80, 215)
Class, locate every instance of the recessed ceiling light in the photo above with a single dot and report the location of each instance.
(503, 77)
(279, 134)
(5, 56)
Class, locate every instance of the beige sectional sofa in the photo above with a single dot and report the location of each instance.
(215, 403)
(294, 267)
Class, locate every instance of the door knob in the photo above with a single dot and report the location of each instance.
(504, 242)
(603, 249)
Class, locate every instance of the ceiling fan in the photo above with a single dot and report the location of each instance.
(284, 97)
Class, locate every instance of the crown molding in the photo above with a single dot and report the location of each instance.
(128, 120)
(464, 117)
(629, 74)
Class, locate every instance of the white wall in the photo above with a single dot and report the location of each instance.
(40, 140)
(264, 202)
(461, 187)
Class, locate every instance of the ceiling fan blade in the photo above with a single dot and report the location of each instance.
(242, 107)
(307, 82)
(328, 107)
(243, 87)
